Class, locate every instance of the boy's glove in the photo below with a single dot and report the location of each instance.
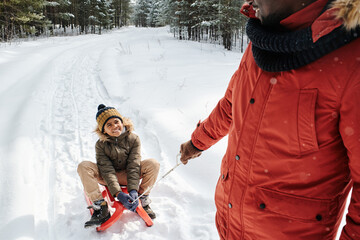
(134, 194)
(126, 200)
(188, 151)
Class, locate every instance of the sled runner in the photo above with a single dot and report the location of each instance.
(119, 209)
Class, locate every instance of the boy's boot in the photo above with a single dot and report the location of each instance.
(101, 213)
(145, 203)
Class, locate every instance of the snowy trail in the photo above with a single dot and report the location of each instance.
(49, 93)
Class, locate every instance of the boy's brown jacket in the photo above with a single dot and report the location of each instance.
(115, 154)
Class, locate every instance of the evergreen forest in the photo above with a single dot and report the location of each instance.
(215, 21)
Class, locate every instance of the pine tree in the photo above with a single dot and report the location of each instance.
(122, 12)
(105, 14)
(169, 14)
(204, 14)
(83, 15)
(212, 20)
(117, 6)
(228, 20)
(93, 18)
(62, 15)
(160, 13)
(186, 18)
(127, 10)
(141, 13)
(21, 18)
(154, 16)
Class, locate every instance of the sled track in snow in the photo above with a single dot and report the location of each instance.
(69, 128)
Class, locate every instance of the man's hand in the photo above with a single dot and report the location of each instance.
(188, 151)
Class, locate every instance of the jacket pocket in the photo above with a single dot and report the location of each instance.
(306, 121)
(296, 207)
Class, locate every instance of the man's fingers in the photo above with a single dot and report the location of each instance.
(184, 161)
(188, 152)
(182, 147)
(183, 156)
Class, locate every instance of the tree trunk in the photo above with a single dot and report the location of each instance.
(227, 40)
(2, 33)
(242, 40)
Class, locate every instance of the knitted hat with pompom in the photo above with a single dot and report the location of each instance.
(104, 114)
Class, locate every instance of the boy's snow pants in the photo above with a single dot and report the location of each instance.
(90, 177)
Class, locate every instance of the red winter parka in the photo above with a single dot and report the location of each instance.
(293, 144)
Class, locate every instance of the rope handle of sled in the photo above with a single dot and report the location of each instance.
(178, 163)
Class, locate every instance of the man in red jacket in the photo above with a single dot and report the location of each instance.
(293, 123)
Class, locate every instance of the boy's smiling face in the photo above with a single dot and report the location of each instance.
(113, 127)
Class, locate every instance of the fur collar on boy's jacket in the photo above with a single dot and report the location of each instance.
(106, 138)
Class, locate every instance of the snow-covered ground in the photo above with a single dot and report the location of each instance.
(49, 93)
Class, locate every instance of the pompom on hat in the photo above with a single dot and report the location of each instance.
(104, 114)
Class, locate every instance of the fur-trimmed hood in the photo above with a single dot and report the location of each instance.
(349, 12)
(105, 137)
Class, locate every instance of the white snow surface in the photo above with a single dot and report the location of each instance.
(49, 93)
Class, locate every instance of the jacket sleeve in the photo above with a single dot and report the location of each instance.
(133, 165)
(106, 169)
(217, 125)
(350, 132)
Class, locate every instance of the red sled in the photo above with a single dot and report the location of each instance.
(119, 209)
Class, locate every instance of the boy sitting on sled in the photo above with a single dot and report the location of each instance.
(118, 162)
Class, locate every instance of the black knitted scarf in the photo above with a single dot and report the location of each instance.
(283, 51)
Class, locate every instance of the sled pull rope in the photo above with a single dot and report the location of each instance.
(178, 163)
